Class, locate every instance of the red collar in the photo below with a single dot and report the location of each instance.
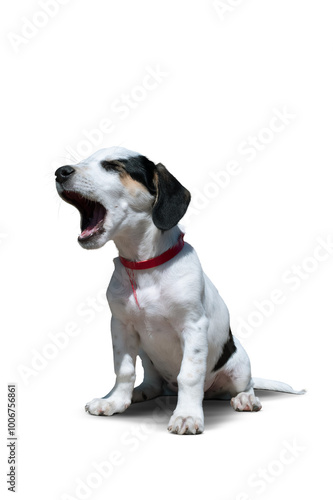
(155, 261)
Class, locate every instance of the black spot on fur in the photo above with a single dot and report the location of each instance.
(144, 396)
(196, 351)
(229, 349)
(138, 167)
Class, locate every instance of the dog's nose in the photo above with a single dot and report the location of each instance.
(63, 173)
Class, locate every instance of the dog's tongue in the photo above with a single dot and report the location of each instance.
(88, 232)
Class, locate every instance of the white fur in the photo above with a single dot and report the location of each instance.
(181, 323)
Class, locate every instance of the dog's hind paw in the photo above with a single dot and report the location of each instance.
(146, 391)
(245, 402)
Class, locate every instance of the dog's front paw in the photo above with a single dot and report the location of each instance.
(190, 424)
(106, 407)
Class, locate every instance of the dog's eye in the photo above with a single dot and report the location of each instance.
(112, 165)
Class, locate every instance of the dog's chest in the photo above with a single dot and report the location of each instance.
(143, 302)
(134, 297)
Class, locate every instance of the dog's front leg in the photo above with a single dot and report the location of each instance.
(188, 416)
(125, 349)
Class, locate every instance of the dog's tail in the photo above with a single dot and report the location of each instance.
(274, 385)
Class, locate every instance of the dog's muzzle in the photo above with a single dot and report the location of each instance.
(92, 212)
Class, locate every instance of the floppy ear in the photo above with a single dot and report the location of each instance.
(171, 201)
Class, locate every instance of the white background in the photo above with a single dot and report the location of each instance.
(224, 74)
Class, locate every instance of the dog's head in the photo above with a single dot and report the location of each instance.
(116, 187)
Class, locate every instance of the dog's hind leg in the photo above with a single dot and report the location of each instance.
(241, 383)
(239, 391)
(152, 385)
(235, 380)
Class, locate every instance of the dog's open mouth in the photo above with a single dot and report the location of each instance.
(92, 214)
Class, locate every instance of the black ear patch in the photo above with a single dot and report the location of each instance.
(172, 199)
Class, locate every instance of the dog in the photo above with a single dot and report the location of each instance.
(164, 308)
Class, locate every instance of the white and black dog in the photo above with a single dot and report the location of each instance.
(164, 308)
